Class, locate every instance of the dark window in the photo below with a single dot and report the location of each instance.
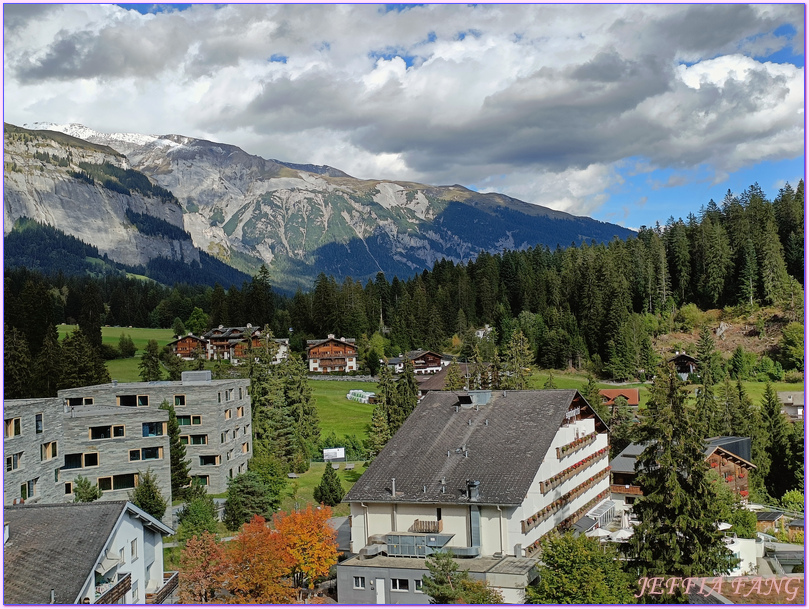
(90, 459)
(152, 429)
(179, 400)
(128, 400)
(117, 431)
(151, 453)
(143, 400)
(39, 423)
(134, 455)
(105, 484)
(75, 401)
(184, 440)
(207, 459)
(73, 461)
(399, 584)
(68, 488)
(196, 420)
(184, 420)
(101, 433)
(199, 439)
(123, 481)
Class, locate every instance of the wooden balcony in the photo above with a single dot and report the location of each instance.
(170, 581)
(117, 592)
(428, 526)
(625, 489)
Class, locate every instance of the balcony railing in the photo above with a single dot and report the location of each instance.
(625, 489)
(170, 581)
(428, 526)
(117, 592)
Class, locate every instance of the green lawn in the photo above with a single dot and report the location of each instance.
(140, 336)
(338, 414)
(300, 491)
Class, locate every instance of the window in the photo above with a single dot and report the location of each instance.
(81, 402)
(73, 461)
(228, 414)
(184, 419)
(13, 462)
(400, 585)
(196, 420)
(200, 480)
(228, 394)
(240, 393)
(359, 583)
(32, 487)
(245, 447)
(127, 400)
(143, 400)
(47, 451)
(118, 431)
(90, 459)
(56, 475)
(135, 592)
(209, 460)
(124, 481)
(134, 455)
(200, 439)
(122, 555)
(152, 429)
(134, 548)
(223, 437)
(219, 397)
(12, 427)
(39, 423)
(105, 484)
(184, 440)
(179, 400)
(229, 455)
(240, 411)
(68, 488)
(417, 585)
(101, 433)
(152, 453)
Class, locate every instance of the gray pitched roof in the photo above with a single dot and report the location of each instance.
(624, 462)
(506, 443)
(54, 547)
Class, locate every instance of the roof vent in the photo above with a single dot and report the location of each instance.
(443, 480)
(486, 422)
(473, 489)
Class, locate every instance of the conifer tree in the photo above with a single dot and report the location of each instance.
(778, 480)
(677, 534)
(81, 364)
(386, 390)
(298, 399)
(147, 495)
(590, 392)
(549, 384)
(150, 363)
(454, 380)
(47, 367)
(378, 432)
(406, 398)
(16, 365)
(179, 464)
(85, 491)
(479, 372)
(518, 358)
(329, 491)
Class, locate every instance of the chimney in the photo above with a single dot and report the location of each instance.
(53, 597)
(473, 490)
(393, 487)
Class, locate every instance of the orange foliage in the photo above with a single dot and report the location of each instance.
(309, 541)
(258, 566)
(202, 564)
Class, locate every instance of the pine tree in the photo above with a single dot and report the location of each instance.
(677, 534)
(590, 392)
(301, 404)
(623, 429)
(179, 464)
(778, 481)
(748, 274)
(147, 495)
(378, 432)
(518, 358)
(386, 390)
(454, 380)
(150, 363)
(47, 367)
(81, 364)
(16, 365)
(406, 398)
(84, 491)
(248, 495)
(549, 384)
(329, 491)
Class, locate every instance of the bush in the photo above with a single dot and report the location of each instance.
(109, 352)
(793, 376)
(689, 317)
(198, 515)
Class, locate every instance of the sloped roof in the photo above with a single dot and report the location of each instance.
(506, 442)
(197, 338)
(793, 398)
(632, 395)
(624, 462)
(435, 382)
(54, 547)
(768, 516)
(346, 341)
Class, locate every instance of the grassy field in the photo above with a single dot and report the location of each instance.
(300, 491)
(338, 414)
(140, 336)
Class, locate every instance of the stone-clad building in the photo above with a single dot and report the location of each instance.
(48, 444)
(214, 416)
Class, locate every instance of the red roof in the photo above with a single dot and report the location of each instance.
(632, 396)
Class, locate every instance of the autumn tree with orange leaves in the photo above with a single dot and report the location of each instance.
(309, 541)
(202, 566)
(259, 566)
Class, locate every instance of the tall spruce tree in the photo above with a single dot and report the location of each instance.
(47, 367)
(149, 365)
(180, 466)
(518, 358)
(147, 495)
(677, 534)
(81, 364)
(16, 365)
(454, 380)
(298, 399)
(329, 491)
(406, 398)
(778, 480)
(378, 432)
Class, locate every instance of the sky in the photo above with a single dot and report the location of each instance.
(625, 113)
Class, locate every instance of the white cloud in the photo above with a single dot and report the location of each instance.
(546, 103)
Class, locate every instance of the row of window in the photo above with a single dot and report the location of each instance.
(228, 393)
(228, 435)
(108, 483)
(396, 584)
(105, 432)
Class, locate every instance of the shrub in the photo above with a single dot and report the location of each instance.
(689, 317)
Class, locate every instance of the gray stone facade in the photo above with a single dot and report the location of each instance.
(58, 443)
(215, 419)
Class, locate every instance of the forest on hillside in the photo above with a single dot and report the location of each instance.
(596, 305)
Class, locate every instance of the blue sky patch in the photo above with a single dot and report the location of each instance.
(278, 58)
(151, 9)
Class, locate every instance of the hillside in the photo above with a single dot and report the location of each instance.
(301, 220)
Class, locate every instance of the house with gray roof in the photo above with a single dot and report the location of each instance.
(484, 474)
(792, 404)
(105, 552)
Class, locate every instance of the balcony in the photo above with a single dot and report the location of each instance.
(170, 581)
(427, 526)
(112, 593)
(625, 489)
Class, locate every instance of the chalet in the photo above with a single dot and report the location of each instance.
(729, 456)
(684, 364)
(104, 552)
(608, 396)
(424, 362)
(792, 404)
(484, 474)
(332, 354)
(189, 347)
(232, 343)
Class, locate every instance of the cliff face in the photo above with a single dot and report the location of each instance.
(40, 183)
(301, 220)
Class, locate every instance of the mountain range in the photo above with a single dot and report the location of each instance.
(139, 197)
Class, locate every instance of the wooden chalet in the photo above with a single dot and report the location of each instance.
(424, 362)
(608, 396)
(332, 354)
(684, 364)
(188, 346)
(728, 456)
(231, 343)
